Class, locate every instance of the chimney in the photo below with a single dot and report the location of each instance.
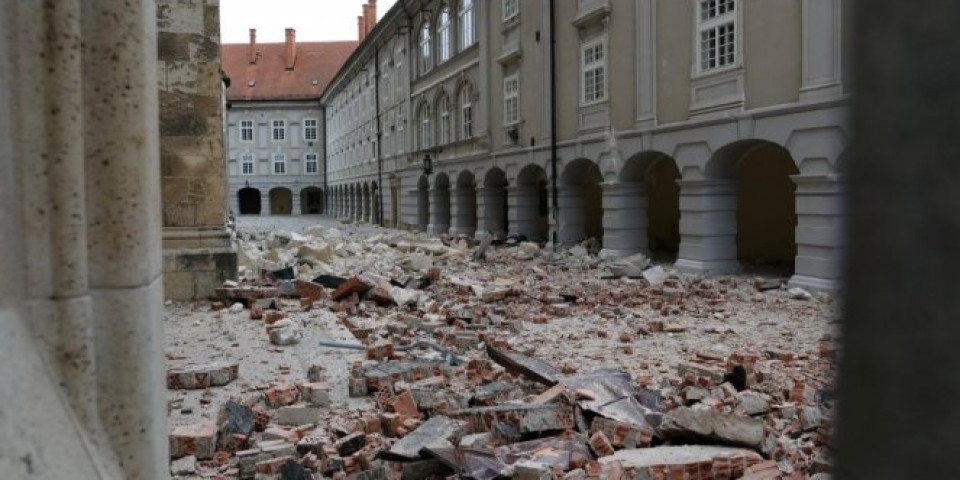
(291, 48)
(366, 19)
(361, 28)
(372, 19)
(253, 45)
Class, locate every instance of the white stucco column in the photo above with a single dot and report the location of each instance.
(524, 218)
(439, 211)
(490, 206)
(708, 226)
(463, 212)
(624, 219)
(265, 202)
(573, 220)
(821, 242)
(296, 208)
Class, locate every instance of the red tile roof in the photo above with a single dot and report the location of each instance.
(316, 64)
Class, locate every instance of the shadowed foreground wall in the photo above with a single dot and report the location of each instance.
(899, 415)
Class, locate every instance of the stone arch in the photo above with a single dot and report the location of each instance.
(649, 198)
(580, 202)
(423, 203)
(529, 205)
(440, 205)
(495, 212)
(281, 201)
(766, 215)
(249, 201)
(311, 201)
(465, 203)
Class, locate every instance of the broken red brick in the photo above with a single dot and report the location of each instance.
(353, 285)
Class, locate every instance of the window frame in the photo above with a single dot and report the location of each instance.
(315, 128)
(308, 159)
(279, 159)
(466, 112)
(731, 19)
(510, 9)
(425, 50)
(586, 67)
(425, 121)
(252, 163)
(467, 32)
(443, 121)
(282, 129)
(514, 96)
(244, 128)
(444, 36)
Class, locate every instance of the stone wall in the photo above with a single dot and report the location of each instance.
(197, 252)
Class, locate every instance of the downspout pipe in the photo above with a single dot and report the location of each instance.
(553, 119)
(379, 153)
(326, 189)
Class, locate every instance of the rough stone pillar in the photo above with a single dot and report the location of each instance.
(81, 294)
(708, 226)
(624, 219)
(464, 211)
(439, 211)
(198, 254)
(524, 216)
(821, 239)
(573, 215)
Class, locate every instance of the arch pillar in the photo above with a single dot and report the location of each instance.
(296, 206)
(491, 203)
(410, 210)
(375, 205)
(821, 244)
(264, 203)
(463, 211)
(524, 218)
(624, 219)
(708, 226)
(365, 202)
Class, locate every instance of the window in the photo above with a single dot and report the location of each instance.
(593, 65)
(246, 164)
(444, 36)
(443, 109)
(426, 125)
(310, 163)
(717, 29)
(511, 99)
(510, 9)
(279, 164)
(246, 130)
(310, 129)
(466, 112)
(279, 130)
(425, 49)
(466, 24)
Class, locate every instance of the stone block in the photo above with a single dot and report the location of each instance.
(298, 415)
(439, 431)
(195, 377)
(316, 394)
(686, 424)
(199, 440)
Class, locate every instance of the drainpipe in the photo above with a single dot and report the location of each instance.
(326, 189)
(376, 103)
(553, 118)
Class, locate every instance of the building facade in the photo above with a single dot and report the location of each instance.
(711, 132)
(275, 125)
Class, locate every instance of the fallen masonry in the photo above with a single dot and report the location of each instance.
(360, 353)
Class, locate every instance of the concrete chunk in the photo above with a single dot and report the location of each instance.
(439, 431)
(710, 426)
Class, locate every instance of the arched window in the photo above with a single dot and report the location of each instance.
(466, 24)
(426, 127)
(425, 48)
(466, 112)
(443, 112)
(444, 36)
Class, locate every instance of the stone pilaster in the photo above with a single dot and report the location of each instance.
(524, 218)
(439, 211)
(821, 220)
(624, 219)
(464, 211)
(708, 226)
(573, 221)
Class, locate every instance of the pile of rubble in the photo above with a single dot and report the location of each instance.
(485, 362)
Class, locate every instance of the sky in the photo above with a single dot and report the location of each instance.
(314, 20)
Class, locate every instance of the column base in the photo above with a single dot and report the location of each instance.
(196, 261)
(437, 229)
(713, 266)
(815, 284)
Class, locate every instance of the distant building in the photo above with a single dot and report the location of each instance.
(275, 124)
(710, 131)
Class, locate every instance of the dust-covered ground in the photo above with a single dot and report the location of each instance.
(672, 336)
